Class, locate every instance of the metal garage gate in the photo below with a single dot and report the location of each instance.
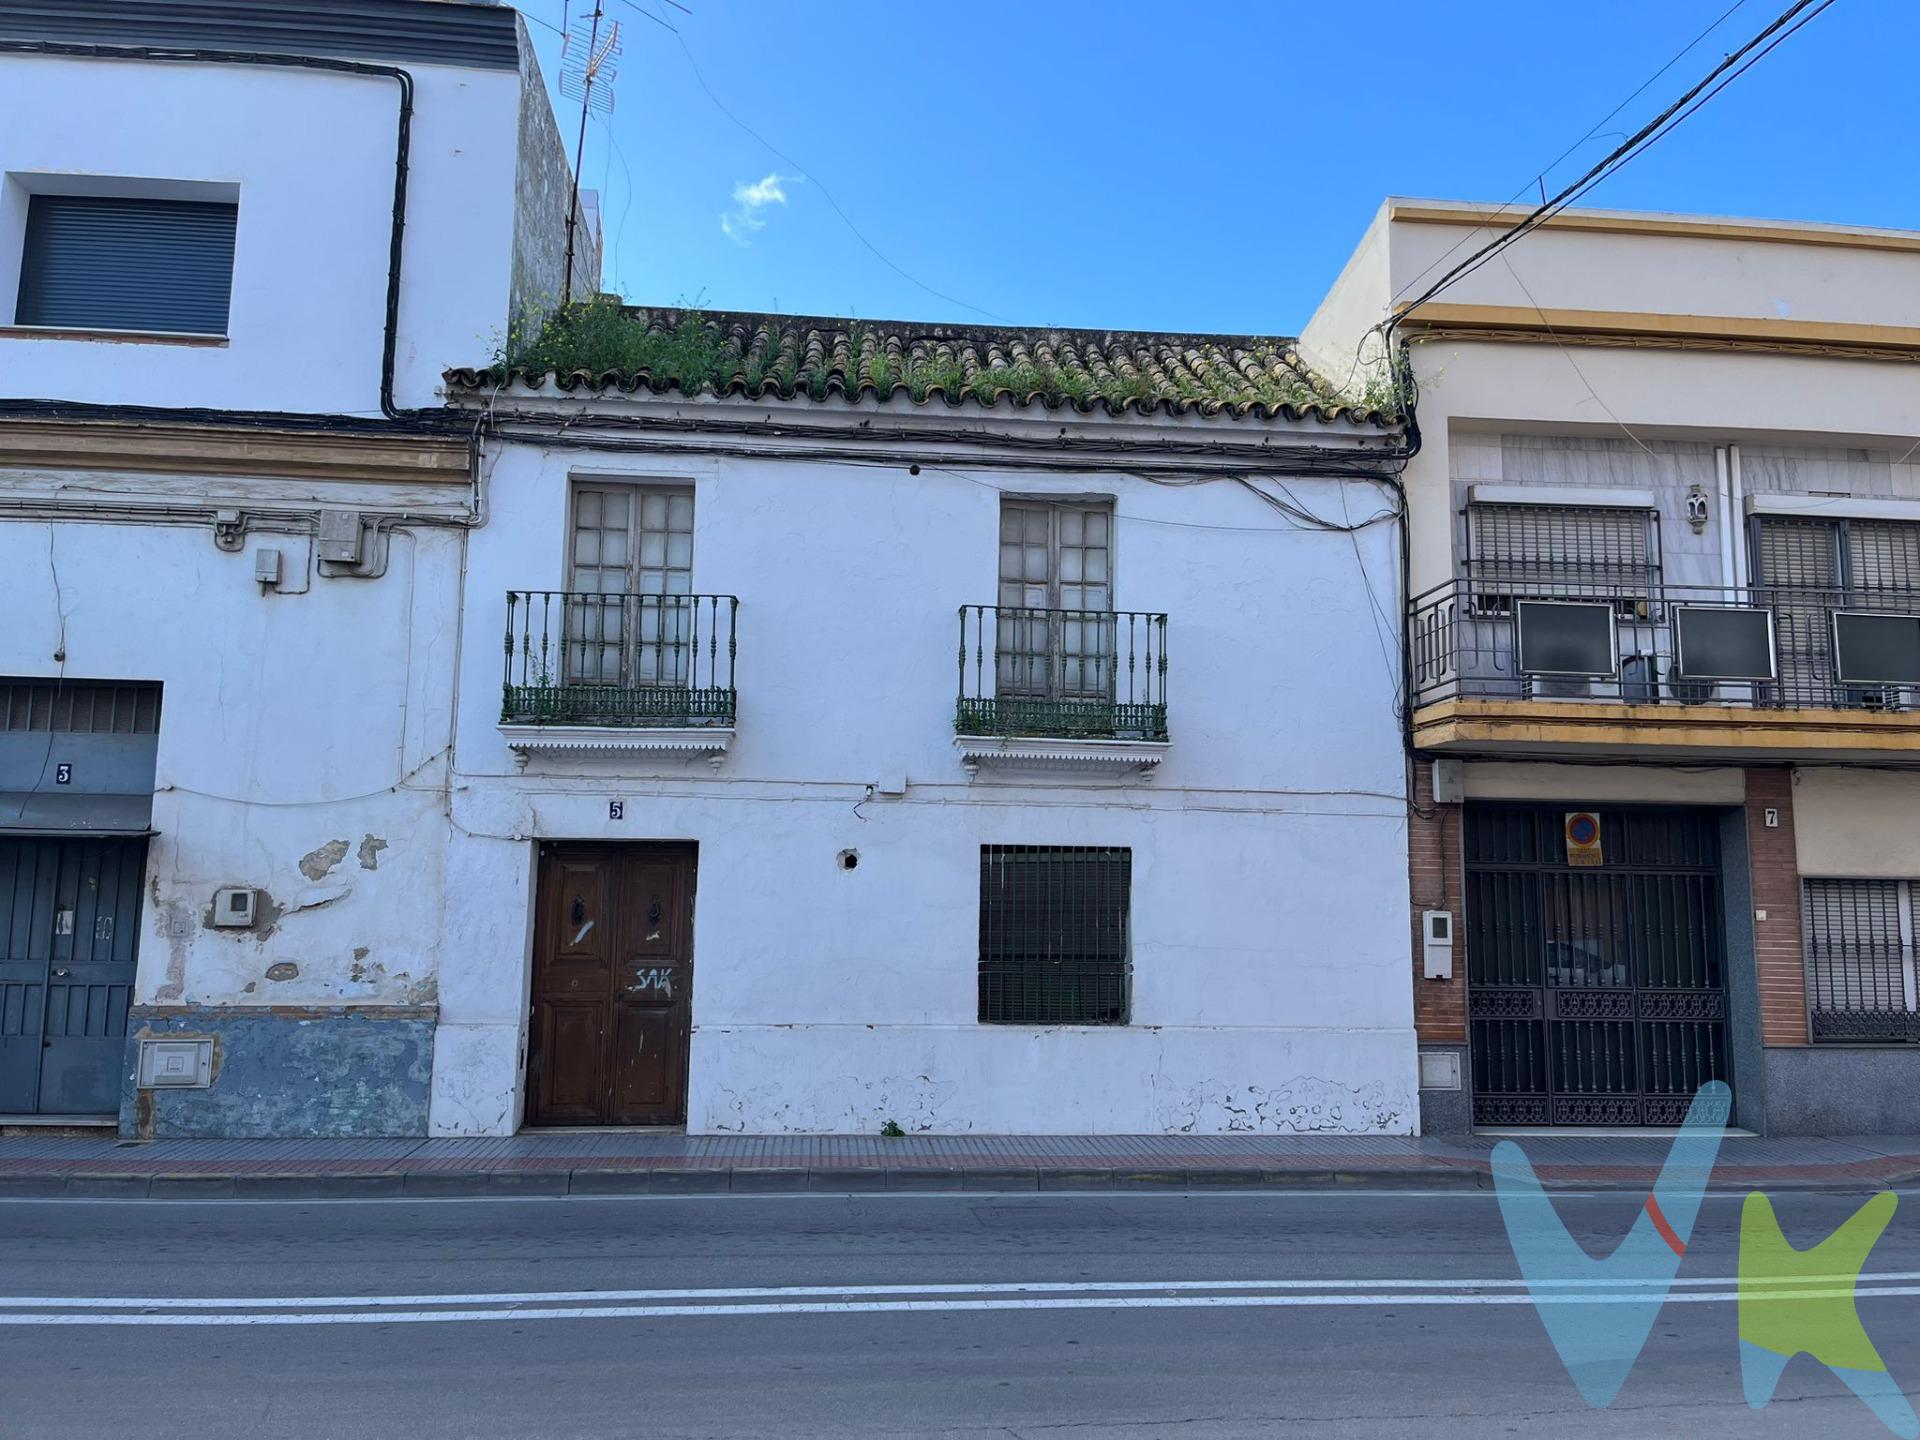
(1596, 990)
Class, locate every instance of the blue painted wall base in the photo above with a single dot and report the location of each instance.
(319, 1071)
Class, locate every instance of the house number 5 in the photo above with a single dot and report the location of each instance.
(616, 809)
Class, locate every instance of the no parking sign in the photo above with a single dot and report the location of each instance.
(1583, 838)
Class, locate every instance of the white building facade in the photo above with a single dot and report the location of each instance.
(980, 764)
(232, 536)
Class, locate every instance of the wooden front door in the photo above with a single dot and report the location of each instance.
(612, 985)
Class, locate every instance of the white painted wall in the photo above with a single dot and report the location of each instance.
(287, 722)
(1859, 824)
(312, 155)
(1603, 785)
(1270, 983)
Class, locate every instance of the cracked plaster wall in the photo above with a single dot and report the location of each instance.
(286, 722)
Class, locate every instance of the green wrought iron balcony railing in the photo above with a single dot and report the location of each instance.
(637, 661)
(1062, 674)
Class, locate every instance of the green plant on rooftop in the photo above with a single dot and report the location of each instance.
(690, 351)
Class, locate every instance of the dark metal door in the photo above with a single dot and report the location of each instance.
(69, 924)
(1596, 994)
(612, 985)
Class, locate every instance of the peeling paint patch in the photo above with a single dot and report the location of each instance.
(1303, 1105)
(284, 970)
(369, 852)
(174, 923)
(316, 863)
(266, 915)
(914, 1102)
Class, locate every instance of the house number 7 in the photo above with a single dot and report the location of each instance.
(616, 809)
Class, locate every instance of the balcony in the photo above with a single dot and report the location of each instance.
(1754, 672)
(607, 675)
(1061, 689)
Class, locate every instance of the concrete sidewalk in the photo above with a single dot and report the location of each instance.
(637, 1163)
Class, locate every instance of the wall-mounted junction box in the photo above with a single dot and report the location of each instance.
(233, 908)
(1436, 944)
(1439, 1070)
(340, 536)
(176, 1064)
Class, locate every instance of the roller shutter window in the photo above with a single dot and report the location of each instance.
(1807, 568)
(105, 263)
(1561, 551)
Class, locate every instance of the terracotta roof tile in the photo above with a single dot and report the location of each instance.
(600, 347)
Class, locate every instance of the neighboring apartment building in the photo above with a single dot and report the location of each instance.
(1665, 663)
(238, 242)
(975, 729)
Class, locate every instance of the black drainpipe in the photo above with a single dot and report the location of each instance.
(403, 142)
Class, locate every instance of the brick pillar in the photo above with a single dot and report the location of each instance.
(1434, 883)
(1774, 863)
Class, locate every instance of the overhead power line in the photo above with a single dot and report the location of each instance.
(1540, 177)
(825, 193)
(1736, 64)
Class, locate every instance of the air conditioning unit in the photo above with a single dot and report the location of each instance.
(1876, 697)
(1548, 687)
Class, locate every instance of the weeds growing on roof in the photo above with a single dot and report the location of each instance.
(599, 337)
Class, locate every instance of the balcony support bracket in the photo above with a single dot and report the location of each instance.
(1136, 758)
(613, 743)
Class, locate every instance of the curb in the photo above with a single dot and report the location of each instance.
(839, 1180)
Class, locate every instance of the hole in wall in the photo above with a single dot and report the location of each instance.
(848, 860)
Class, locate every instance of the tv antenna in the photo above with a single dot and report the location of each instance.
(590, 61)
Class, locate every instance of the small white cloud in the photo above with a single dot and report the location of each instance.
(749, 202)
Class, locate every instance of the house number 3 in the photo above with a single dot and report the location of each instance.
(616, 809)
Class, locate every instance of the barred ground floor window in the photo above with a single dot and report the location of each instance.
(1860, 961)
(1054, 934)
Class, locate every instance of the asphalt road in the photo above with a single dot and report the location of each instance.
(1064, 1315)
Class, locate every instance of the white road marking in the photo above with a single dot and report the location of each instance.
(807, 1292)
(971, 1197)
(926, 1299)
(862, 1307)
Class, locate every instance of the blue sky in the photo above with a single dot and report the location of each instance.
(1175, 167)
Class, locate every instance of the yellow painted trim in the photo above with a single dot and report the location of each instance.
(1906, 242)
(1576, 325)
(1495, 726)
(226, 450)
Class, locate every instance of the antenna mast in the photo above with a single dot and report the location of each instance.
(589, 65)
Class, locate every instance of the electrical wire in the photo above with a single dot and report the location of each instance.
(641, 9)
(1736, 64)
(825, 193)
(60, 680)
(1593, 130)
